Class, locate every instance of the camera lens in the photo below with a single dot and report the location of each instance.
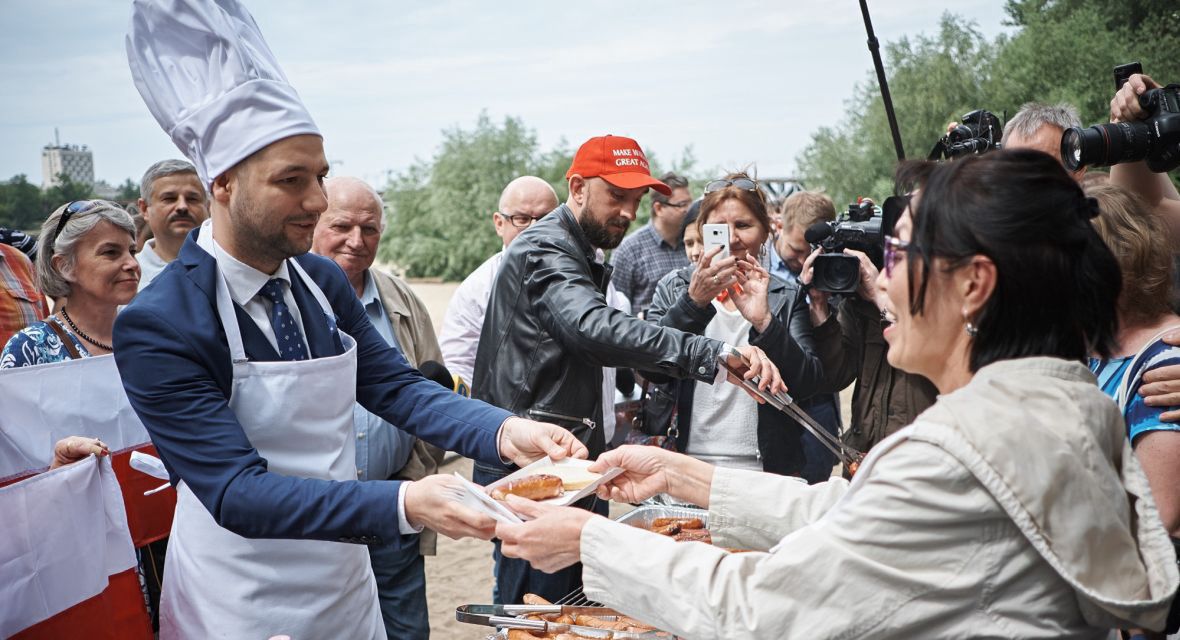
(836, 273)
(1103, 145)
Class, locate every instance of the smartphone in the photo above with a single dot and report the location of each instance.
(716, 235)
(1123, 72)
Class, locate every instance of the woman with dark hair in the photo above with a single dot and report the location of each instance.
(1012, 508)
(734, 299)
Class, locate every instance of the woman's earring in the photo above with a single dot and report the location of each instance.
(972, 330)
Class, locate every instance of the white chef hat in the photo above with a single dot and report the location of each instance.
(210, 80)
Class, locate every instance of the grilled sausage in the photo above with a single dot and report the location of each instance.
(599, 623)
(694, 535)
(685, 523)
(535, 487)
(534, 599)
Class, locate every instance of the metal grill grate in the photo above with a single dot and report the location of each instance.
(577, 598)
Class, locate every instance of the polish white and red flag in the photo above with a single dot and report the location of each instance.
(67, 565)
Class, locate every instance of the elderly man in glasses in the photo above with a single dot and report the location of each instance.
(524, 201)
(655, 249)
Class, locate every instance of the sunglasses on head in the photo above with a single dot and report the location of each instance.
(75, 207)
(745, 184)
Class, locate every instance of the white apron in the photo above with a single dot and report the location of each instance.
(217, 584)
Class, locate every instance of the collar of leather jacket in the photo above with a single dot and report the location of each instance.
(565, 216)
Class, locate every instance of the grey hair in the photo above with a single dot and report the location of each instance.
(365, 186)
(49, 279)
(161, 169)
(1034, 115)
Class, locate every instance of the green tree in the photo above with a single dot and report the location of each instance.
(20, 204)
(128, 191)
(1062, 51)
(933, 79)
(67, 190)
(439, 209)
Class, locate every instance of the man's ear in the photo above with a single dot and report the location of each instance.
(143, 207)
(222, 188)
(578, 190)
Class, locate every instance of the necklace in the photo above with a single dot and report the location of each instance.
(82, 335)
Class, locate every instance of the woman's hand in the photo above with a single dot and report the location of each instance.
(750, 297)
(710, 278)
(648, 471)
(74, 448)
(817, 300)
(550, 540)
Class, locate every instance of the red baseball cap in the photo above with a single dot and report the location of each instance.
(617, 160)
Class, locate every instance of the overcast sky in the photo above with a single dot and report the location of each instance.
(742, 82)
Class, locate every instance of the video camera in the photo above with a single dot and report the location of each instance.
(979, 132)
(1155, 139)
(858, 228)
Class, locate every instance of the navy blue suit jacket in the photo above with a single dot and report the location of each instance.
(174, 360)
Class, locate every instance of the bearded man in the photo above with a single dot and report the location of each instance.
(549, 331)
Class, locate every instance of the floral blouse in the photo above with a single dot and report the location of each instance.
(38, 344)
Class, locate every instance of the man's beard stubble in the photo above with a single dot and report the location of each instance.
(601, 236)
(256, 240)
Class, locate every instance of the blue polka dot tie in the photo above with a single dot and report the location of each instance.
(288, 335)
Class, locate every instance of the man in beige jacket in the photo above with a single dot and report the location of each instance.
(348, 232)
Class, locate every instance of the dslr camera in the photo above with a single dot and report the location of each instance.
(858, 228)
(1155, 139)
(979, 132)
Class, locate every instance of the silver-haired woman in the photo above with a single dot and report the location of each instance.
(86, 263)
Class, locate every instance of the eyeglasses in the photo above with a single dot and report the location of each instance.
(895, 250)
(75, 207)
(745, 184)
(677, 205)
(520, 220)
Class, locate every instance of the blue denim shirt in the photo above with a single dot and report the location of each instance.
(381, 448)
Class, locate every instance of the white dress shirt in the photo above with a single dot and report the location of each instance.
(150, 263)
(463, 321)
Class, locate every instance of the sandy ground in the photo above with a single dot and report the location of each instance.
(461, 573)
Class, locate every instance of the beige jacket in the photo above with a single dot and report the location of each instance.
(414, 330)
(1012, 508)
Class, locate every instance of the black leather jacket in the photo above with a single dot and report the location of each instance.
(548, 332)
(788, 343)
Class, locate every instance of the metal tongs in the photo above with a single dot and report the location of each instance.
(501, 616)
(849, 457)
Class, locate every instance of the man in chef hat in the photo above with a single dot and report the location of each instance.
(246, 356)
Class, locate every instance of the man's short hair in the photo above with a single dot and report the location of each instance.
(1034, 115)
(805, 208)
(674, 182)
(161, 169)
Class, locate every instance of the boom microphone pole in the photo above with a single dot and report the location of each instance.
(875, 49)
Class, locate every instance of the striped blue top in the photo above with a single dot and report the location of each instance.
(1140, 417)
